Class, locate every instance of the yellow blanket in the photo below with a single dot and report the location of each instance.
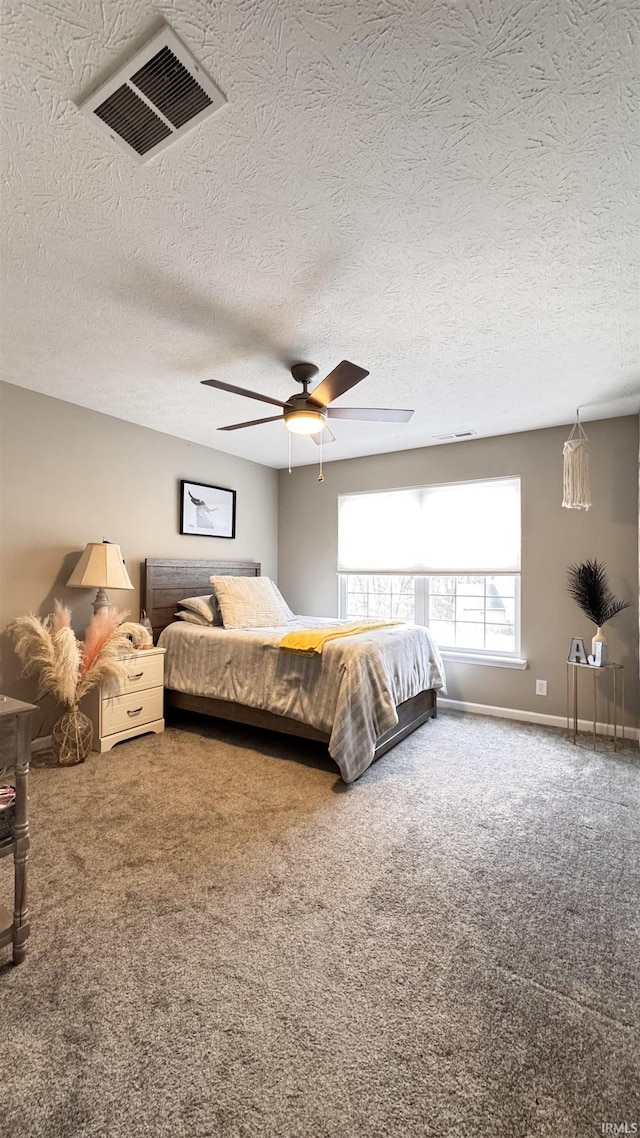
(310, 641)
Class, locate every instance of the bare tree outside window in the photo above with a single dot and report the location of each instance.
(380, 597)
(470, 612)
(473, 612)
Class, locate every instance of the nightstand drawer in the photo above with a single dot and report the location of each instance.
(142, 672)
(124, 711)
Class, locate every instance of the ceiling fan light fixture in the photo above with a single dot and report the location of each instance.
(306, 413)
(304, 422)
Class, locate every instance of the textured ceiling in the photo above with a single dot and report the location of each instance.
(444, 193)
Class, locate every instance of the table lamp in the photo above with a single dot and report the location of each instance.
(101, 566)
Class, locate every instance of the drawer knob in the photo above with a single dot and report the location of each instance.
(136, 711)
(138, 676)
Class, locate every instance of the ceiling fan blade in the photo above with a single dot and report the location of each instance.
(341, 379)
(252, 423)
(324, 436)
(242, 391)
(372, 414)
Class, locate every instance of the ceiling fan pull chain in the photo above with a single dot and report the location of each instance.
(320, 475)
(289, 434)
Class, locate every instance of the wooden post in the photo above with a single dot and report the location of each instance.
(21, 838)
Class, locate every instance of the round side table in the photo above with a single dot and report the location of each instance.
(572, 705)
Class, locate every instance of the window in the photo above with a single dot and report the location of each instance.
(388, 598)
(467, 614)
(459, 545)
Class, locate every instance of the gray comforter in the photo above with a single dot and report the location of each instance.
(350, 692)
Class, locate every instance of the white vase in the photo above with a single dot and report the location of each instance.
(601, 639)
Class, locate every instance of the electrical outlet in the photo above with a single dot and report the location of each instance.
(541, 687)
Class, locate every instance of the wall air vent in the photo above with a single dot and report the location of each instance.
(458, 435)
(160, 94)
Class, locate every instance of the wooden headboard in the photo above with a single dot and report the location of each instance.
(165, 581)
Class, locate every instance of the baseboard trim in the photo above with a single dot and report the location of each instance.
(630, 733)
(43, 743)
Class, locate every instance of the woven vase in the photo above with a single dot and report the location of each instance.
(72, 737)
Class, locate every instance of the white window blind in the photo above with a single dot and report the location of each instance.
(459, 527)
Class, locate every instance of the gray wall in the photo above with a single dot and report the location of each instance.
(69, 476)
(552, 539)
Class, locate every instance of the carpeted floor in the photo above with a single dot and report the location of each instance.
(227, 941)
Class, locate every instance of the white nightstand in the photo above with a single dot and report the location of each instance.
(133, 708)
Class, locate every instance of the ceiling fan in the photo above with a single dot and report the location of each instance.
(305, 413)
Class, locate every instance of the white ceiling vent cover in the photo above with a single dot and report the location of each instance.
(160, 95)
(455, 435)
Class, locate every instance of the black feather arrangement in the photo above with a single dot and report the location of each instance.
(589, 587)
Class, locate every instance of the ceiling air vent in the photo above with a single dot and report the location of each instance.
(459, 435)
(156, 98)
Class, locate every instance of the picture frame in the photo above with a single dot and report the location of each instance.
(207, 511)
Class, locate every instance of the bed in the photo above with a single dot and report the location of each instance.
(361, 697)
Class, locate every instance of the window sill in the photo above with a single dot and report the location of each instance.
(486, 660)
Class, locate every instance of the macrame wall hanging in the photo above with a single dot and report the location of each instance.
(576, 490)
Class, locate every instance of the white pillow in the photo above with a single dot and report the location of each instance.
(249, 602)
(291, 615)
(193, 618)
(206, 607)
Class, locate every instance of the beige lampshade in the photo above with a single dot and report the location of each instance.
(101, 567)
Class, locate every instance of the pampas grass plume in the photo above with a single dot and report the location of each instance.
(68, 668)
(67, 653)
(61, 618)
(33, 643)
(101, 628)
(105, 642)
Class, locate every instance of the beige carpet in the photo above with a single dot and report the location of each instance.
(227, 941)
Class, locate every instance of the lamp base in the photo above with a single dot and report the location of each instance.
(101, 602)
